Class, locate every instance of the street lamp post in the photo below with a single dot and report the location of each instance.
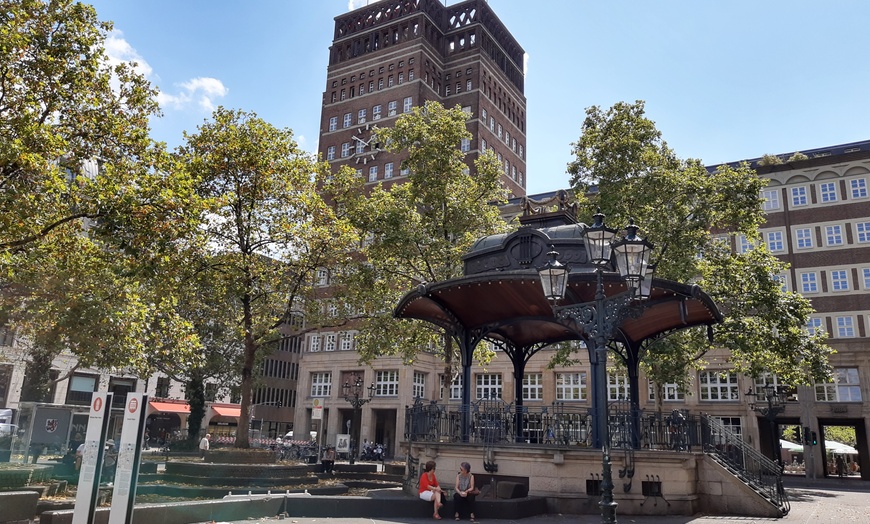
(598, 318)
(353, 394)
(774, 405)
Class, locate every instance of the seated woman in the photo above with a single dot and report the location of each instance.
(429, 488)
(465, 492)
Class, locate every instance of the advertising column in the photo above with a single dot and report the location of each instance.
(92, 458)
(127, 472)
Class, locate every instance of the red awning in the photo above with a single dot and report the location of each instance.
(227, 411)
(171, 407)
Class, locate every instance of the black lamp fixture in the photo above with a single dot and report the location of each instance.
(597, 318)
(772, 403)
(353, 393)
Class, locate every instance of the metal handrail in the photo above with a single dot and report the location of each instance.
(759, 472)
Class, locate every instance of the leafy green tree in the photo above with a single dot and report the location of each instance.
(88, 213)
(770, 160)
(269, 228)
(686, 210)
(418, 230)
(797, 157)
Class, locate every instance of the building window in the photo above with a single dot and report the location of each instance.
(314, 343)
(362, 89)
(401, 78)
(321, 384)
(162, 389)
(845, 327)
(834, 235)
(804, 237)
(419, 388)
(771, 199)
(386, 383)
(617, 386)
(410, 75)
(407, 104)
(388, 170)
(828, 191)
(799, 196)
(345, 149)
(845, 388)
(866, 274)
(465, 145)
(390, 81)
(522, 153)
(373, 173)
(447, 90)
(347, 120)
(839, 280)
(455, 387)
(329, 342)
(404, 171)
(743, 244)
(862, 232)
(809, 282)
(376, 112)
(571, 386)
(483, 115)
(774, 241)
(380, 83)
(330, 153)
(343, 94)
(333, 123)
(858, 187)
(321, 277)
(499, 132)
(718, 385)
(458, 87)
(492, 124)
(347, 339)
(488, 386)
(482, 145)
(468, 85)
(360, 148)
(391, 108)
(533, 386)
(732, 424)
(361, 116)
(371, 85)
(670, 392)
(814, 326)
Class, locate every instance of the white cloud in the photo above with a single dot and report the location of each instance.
(200, 91)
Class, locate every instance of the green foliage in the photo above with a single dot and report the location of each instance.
(679, 205)
(419, 230)
(797, 157)
(770, 160)
(267, 229)
(88, 213)
(842, 434)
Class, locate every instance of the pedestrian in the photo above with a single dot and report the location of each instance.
(464, 492)
(204, 445)
(145, 439)
(841, 466)
(430, 491)
(328, 460)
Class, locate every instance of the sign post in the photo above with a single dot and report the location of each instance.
(127, 472)
(317, 414)
(92, 459)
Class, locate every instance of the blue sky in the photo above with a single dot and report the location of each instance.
(723, 81)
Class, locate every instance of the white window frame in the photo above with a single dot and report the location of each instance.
(862, 232)
(314, 343)
(330, 153)
(329, 342)
(718, 386)
(345, 150)
(618, 387)
(487, 386)
(455, 391)
(799, 196)
(333, 123)
(388, 170)
(771, 199)
(347, 341)
(815, 326)
(845, 388)
(670, 392)
(858, 187)
(373, 174)
(845, 326)
(407, 104)
(533, 386)
(387, 383)
(361, 116)
(809, 282)
(775, 242)
(391, 108)
(465, 145)
(571, 386)
(321, 384)
(839, 280)
(419, 385)
(834, 235)
(732, 424)
(376, 112)
(347, 121)
(828, 192)
(865, 273)
(804, 238)
(321, 277)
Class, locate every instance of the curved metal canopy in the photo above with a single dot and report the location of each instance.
(511, 306)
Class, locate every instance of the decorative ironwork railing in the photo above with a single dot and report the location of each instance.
(757, 471)
(559, 424)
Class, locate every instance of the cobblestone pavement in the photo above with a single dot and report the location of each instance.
(812, 502)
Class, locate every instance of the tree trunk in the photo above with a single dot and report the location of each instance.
(247, 386)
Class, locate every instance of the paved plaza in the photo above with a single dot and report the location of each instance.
(812, 502)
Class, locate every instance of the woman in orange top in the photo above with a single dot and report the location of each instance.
(429, 488)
